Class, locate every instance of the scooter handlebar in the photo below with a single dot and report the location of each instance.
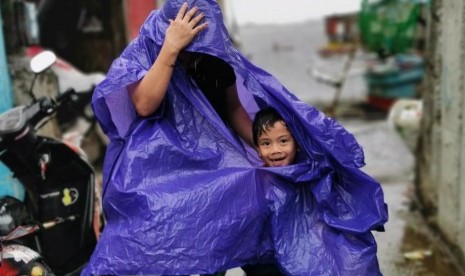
(40, 111)
(65, 96)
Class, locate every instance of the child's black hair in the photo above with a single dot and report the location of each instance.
(264, 119)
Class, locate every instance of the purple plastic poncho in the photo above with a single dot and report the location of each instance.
(184, 195)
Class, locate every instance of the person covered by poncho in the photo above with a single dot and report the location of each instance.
(185, 193)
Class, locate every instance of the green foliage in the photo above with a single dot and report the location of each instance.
(389, 26)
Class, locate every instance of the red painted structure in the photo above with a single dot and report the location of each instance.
(136, 11)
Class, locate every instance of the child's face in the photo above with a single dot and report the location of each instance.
(276, 146)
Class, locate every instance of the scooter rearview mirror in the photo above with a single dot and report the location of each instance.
(38, 64)
(42, 61)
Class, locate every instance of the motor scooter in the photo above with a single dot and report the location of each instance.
(53, 230)
(75, 115)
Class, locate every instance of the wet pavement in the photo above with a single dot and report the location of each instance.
(409, 246)
(289, 52)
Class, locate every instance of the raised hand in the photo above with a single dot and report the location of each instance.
(184, 27)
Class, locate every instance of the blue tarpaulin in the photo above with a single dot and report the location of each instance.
(184, 195)
(9, 186)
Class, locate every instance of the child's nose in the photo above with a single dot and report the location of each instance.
(276, 148)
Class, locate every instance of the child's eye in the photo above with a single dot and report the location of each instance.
(265, 143)
(283, 141)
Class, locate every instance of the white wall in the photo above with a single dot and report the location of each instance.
(442, 158)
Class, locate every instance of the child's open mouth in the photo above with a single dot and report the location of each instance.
(278, 159)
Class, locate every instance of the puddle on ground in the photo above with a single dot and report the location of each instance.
(423, 255)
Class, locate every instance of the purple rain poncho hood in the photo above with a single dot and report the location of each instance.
(183, 194)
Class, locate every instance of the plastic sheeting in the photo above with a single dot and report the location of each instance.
(9, 186)
(184, 195)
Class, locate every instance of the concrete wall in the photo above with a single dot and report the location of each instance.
(441, 157)
(430, 130)
(451, 91)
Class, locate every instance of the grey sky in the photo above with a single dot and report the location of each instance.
(287, 11)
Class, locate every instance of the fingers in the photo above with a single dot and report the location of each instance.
(185, 14)
(185, 26)
(200, 27)
(194, 21)
(192, 18)
(191, 13)
(189, 16)
(182, 11)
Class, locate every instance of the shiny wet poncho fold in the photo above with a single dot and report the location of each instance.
(184, 195)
